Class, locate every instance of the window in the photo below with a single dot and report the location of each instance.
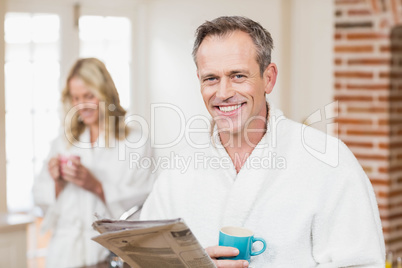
(108, 38)
(33, 65)
(32, 77)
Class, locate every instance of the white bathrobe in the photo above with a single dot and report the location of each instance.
(310, 213)
(70, 217)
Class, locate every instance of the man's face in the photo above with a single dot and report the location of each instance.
(231, 84)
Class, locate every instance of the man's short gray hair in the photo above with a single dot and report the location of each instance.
(225, 25)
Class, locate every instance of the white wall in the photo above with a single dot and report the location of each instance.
(311, 72)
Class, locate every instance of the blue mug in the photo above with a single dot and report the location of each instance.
(242, 239)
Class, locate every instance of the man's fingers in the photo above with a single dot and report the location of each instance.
(231, 264)
(219, 251)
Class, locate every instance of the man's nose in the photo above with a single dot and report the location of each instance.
(225, 90)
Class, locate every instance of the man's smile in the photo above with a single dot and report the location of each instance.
(228, 108)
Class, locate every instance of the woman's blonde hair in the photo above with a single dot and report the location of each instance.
(94, 74)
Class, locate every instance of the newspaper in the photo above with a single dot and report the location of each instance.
(152, 244)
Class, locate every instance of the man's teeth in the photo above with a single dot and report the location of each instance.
(229, 108)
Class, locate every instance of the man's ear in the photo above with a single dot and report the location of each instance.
(270, 74)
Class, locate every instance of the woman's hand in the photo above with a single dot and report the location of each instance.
(78, 174)
(219, 251)
(54, 171)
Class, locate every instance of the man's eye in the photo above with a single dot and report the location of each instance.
(209, 79)
(238, 76)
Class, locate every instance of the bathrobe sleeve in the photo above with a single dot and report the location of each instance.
(44, 188)
(158, 204)
(347, 229)
(128, 184)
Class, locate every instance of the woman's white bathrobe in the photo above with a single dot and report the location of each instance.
(310, 213)
(70, 217)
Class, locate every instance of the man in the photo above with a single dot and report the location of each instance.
(311, 214)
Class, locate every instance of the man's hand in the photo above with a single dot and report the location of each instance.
(78, 174)
(219, 251)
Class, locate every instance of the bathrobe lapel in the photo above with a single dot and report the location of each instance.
(246, 187)
(253, 178)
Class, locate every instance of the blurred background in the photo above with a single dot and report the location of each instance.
(326, 50)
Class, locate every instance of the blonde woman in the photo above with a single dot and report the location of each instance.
(88, 170)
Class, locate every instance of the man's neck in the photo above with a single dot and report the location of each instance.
(242, 141)
(240, 145)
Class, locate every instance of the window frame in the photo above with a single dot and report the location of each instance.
(3, 179)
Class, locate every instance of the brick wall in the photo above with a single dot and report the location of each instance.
(368, 86)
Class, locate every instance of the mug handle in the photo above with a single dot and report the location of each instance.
(255, 239)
